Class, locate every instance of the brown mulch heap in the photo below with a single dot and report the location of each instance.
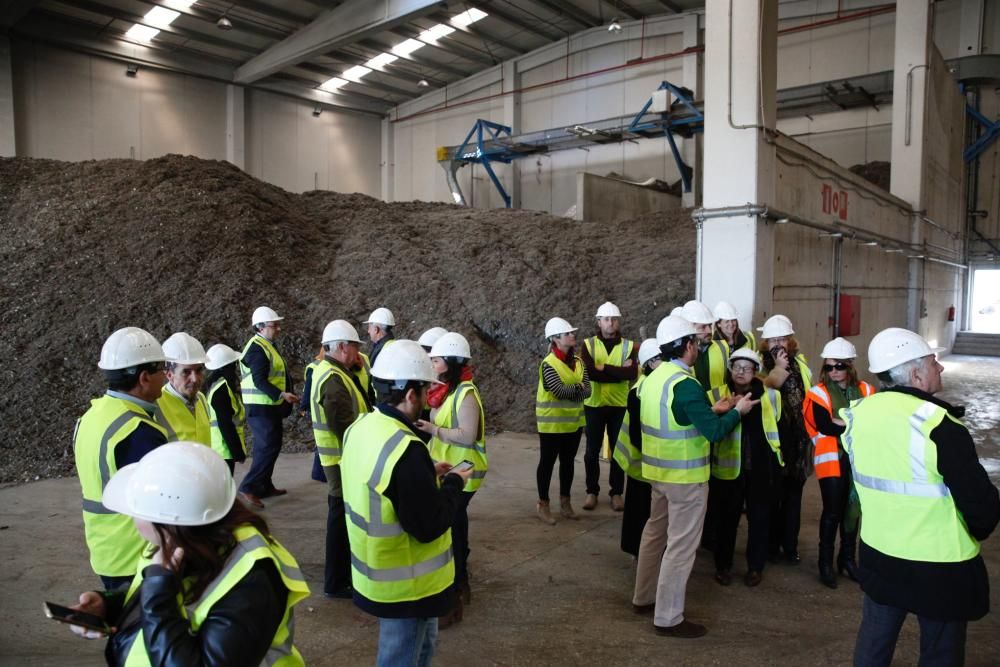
(876, 172)
(183, 244)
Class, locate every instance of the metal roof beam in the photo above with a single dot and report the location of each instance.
(570, 11)
(12, 11)
(275, 13)
(451, 47)
(396, 69)
(507, 17)
(367, 80)
(415, 59)
(239, 23)
(477, 32)
(625, 8)
(672, 6)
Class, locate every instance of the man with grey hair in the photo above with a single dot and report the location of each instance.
(927, 503)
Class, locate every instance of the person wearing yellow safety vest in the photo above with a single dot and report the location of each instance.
(787, 370)
(118, 429)
(182, 410)
(927, 503)
(427, 340)
(380, 325)
(628, 454)
(838, 387)
(678, 422)
(316, 474)
(746, 467)
(612, 365)
(336, 401)
(563, 385)
(266, 385)
(226, 414)
(727, 327)
(212, 586)
(458, 433)
(400, 509)
(713, 355)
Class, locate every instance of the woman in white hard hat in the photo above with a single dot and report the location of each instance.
(212, 586)
(226, 414)
(562, 387)
(788, 371)
(838, 387)
(727, 327)
(458, 434)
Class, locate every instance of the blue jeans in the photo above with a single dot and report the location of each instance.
(942, 643)
(406, 642)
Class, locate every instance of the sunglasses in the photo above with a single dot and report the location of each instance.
(836, 367)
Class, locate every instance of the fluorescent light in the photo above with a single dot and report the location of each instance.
(355, 73)
(435, 32)
(158, 16)
(161, 17)
(141, 33)
(333, 85)
(468, 18)
(381, 60)
(404, 49)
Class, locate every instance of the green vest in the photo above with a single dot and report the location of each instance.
(614, 394)
(807, 375)
(627, 454)
(219, 443)
(275, 374)
(670, 452)
(727, 454)
(455, 452)
(717, 361)
(327, 442)
(251, 546)
(908, 509)
(112, 539)
(553, 415)
(751, 341)
(387, 564)
(179, 422)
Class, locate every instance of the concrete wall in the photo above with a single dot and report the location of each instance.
(601, 199)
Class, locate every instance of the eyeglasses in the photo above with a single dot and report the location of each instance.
(743, 368)
(836, 367)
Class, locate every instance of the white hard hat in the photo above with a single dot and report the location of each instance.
(648, 350)
(182, 348)
(129, 347)
(404, 360)
(452, 344)
(745, 353)
(673, 327)
(894, 346)
(696, 312)
(557, 326)
(776, 326)
(677, 311)
(220, 355)
(429, 337)
(340, 330)
(265, 314)
(382, 317)
(608, 309)
(725, 311)
(839, 348)
(178, 484)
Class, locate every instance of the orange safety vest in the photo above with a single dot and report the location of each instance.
(826, 456)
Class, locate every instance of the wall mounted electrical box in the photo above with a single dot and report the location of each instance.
(850, 315)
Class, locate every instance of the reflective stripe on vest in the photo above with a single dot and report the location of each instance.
(553, 415)
(112, 539)
(389, 565)
(239, 418)
(718, 362)
(826, 451)
(180, 423)
(614, 394)
(626, 454)
(908, 510)
(455, 452)
(804, 371)
(275, 374)
(727, 454)
(670, 452)
(328, 445)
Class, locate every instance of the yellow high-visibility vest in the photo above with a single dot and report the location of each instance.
(613, 394)
(552, 414)
(456, 452)
(219, 443)
(627, 454)
(327, 443)
(275, 374)
(179, 422)
(670, 452)
(727, 454)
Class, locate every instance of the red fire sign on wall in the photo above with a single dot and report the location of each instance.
(834, 202)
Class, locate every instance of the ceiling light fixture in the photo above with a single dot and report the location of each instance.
(156, 18)
(614, 26)
(224, 23)
(317, 111)
(423, 83)
(131, 70)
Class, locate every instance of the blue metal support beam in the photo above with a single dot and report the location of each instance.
(991, 130)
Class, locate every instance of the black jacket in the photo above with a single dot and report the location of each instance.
(260, 367)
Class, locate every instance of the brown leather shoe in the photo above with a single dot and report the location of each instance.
(644, 608)
(617, 504)
(752, 578)
(275, 492)
(590, 502)
(723, 577)
(683, 630)
(251, 500)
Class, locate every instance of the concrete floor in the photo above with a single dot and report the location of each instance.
(541, 595)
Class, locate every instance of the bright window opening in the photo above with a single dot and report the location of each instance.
(355, 73)
(985, 315)
(406, 48)
(435, 32)
(381, 60)
(333, 85)
(468, 18)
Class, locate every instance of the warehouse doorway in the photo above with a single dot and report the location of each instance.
(985, 311)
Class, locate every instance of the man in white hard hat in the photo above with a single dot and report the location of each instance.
(336, 400)
(431, 336)
(926, 504)
(713, 355)
(182, 410)
(676, 461)
(612, 366)
(400, 508)
(380, 324)
(266, 386)
(118, 429)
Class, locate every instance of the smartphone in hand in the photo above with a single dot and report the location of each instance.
(463, 466)
(75, 617)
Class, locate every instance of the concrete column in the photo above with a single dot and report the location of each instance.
(388, 161)
(970, 33)
(512, 119)
(236, 126)
(8, 147)
(736, 254)
(689, 79)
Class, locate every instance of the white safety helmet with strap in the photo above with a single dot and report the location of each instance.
(776, 326)
(128, 347)
(220, 355)
(558, 326)
(696, 312)
(403, 361)
(839, 348)
(608, 309)
(744, 353)
(725, 311)
(429, 337)
(263, 315)
(178, 484)
(382, 317)
(182, 348)
(340, 330)
(894, 346)
(649, 349)
(452, 344)
(673, 328)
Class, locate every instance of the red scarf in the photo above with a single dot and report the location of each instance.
(438, 392)
(563, 356)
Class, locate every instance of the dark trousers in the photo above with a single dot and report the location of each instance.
(835, 492)
(337, 572)
(112, 583)
(786, 515)
(637, 498)
(317, 473)
(942, 643)
(460, 538)
(267, 432)
(562, 446)
(604, 419)
(232, 466)
(753, 491)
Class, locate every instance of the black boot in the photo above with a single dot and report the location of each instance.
(826, 536)
(845, 559)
